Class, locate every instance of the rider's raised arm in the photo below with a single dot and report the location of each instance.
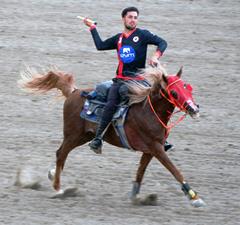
(108, 44)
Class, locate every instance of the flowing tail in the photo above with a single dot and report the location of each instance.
(32, 81)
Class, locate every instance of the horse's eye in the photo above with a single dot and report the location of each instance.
(174, 94)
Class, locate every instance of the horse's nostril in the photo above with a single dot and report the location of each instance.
(192, 110)
(189, 108)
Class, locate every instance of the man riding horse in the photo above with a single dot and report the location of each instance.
(131, 46)
(146, 126)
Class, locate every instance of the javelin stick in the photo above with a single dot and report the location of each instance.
(88, 20)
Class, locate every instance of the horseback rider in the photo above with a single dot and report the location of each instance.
(131, 46)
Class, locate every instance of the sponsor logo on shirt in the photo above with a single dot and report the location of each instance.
(127, 54)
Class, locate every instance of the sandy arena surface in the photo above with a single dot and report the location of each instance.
(203, 36)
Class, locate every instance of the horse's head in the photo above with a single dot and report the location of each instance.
(180, 94)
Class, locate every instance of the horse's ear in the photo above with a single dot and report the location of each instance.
(179, 73)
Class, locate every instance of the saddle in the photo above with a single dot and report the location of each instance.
(97, 99)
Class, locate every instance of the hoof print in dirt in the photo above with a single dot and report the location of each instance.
(151, 199)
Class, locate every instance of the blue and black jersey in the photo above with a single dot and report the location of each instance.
(131, 49)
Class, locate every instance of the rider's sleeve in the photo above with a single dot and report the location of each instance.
(155, 40)
(108, 44)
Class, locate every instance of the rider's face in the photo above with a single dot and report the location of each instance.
(130, 20)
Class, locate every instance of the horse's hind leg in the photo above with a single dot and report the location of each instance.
(61, 156)
(160, 154)
(145, 160)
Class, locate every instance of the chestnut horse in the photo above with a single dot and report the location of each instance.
(145, 126)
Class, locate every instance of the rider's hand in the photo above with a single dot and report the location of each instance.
(89, 22)
(154, 61)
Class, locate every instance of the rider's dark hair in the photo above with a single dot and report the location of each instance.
(129, 9)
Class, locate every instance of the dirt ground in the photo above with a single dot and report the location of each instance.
(202, 35)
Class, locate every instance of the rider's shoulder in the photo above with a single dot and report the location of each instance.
(144, 31)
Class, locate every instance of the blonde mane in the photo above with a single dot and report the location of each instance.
(153, 75)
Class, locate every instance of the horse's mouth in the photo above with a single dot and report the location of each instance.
(193, 111)
(195, 115)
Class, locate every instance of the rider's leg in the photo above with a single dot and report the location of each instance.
(108, 112)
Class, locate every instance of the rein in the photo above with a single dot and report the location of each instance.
(173, 124)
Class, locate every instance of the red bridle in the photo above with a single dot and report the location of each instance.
(172, 101)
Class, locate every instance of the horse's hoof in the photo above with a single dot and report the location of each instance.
(56, 186)
(96, 145)
(135, 190)
(51, 174)
(135, 200)
(59, 194)
(70, 192)
(198, 203)
(98, 151)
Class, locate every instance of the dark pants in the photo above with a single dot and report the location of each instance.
(110, 108)
(112, 101)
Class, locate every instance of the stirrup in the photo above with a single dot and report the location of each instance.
(96, 145)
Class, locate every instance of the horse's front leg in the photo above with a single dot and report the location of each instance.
(149, 199)
(145, 159)
(160, 154)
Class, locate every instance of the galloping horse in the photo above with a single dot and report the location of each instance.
(145, 126)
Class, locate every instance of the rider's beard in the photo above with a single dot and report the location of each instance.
(129, 27)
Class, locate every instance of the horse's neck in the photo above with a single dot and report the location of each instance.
(162, 107)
